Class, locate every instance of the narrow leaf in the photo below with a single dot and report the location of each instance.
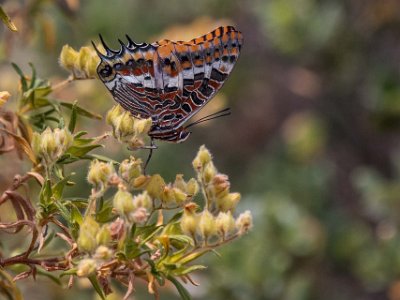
(82, 111)
(95, 282)
(72, 121)
(24, 84)
(7, 21)
(181, 289)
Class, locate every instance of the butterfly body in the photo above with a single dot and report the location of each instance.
(169, 81)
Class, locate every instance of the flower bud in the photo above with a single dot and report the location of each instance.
(99, 173)
(192, 187)
(203, 157)
(228, 202)
(180, 182)
(179, 195)
(113, 114)
(142, 126)
(125, 125)
(155, 186)
(123, 202)
(68, 58)
(142, 200)
(86, 267)
(117, 229)
(167, 196)
(103, 237)
(189, 220)
(225, 224)
(103, 252)
(244, 222)
(207, 224)
(87, 234)
(209, 172)
(4, 96)
(131, 168)
(141, 181)
(221, 185)
(139, 215)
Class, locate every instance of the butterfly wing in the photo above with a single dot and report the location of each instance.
(170, 81)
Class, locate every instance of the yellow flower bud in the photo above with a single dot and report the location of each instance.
(228, 202)
(91, 66)
(142, 126)
(180, 182)
(103, 252)
(99, 173)
(203, 157)
(4, 96)
(225, 224)
(244, 222)
(192, 187)
(209, 172)
(131, 168)
(141, 181)
(68, 58)
(206, 225)
(155, 187)
(167, 196)
(86, 267)
(113, 114)
(189, 220)
(123, 202)
(87, 234)
(125, 126)
(103, 237)
(142, 200)
(179, 195)
(84, 56)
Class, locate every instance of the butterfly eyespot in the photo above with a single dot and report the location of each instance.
(118, 66)
(105, 72)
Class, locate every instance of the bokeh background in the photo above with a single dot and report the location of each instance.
(312, 143)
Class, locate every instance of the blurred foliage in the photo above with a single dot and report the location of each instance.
(313, 140)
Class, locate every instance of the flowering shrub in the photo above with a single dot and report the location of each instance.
(121, 230)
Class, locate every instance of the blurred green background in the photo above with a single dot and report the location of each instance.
(312, 144)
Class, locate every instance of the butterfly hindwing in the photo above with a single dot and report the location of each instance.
(170, 81)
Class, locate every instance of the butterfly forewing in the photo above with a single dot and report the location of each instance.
(170, 81)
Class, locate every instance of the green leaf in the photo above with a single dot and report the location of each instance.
(22, 77)
(76, 216)
(58, 188)
(33, 77)
(69, 272)
(45, 193)
(81, 111)
(147, 232)
(81, 151)
(95, 282)
(181, 289)
(79, 134)
(186, 270)
(7, 21)
(72, 120)
(49, 275)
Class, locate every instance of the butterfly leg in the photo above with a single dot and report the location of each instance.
(151, 148)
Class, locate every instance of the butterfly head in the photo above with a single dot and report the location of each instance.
(174, 136)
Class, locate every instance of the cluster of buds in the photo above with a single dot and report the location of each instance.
(51, 144)
(174, 194)
(134, 209)
(130, 169)
(216, 185)
(216, 220)
(127, 128)
(97, 241)
(82, 64)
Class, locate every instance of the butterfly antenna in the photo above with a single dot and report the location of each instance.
(109, 51)
(222, 113)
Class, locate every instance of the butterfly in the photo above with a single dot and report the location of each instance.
(169, 81)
